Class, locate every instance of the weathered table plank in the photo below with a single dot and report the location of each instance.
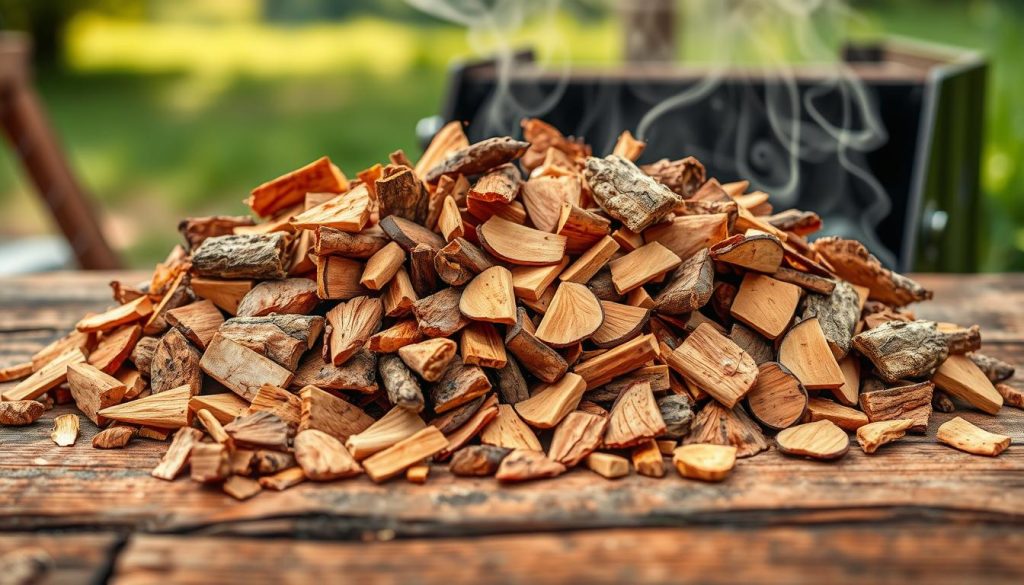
(784, 555)
(909, 495)
(56, 559)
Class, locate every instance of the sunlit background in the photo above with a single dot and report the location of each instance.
(170, 108)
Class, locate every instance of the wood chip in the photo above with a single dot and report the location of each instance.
(113, 438)
(396, 459)
(704, 461)
(490, 297)
(844, 417)
(240, 369)
(520, 245)
(961, 377)
(398, 424)
(573, 315)
(765, 304)
(962, 435)
(717, 425)
(18, 413)
(65, 430)
(322, 457)
(873, 435)
(430, 358)
(241, 488)
(777, 400)
(715, 364)
(477, 460)
(607, 465)
(805, 352)
(816, 440)
(167, 409)
(525, 465)
(177, 455)
(333, 415)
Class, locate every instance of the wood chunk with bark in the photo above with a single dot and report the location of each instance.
(837, 315)
(113, 438)
(816, 440)
(448, 139)
(512, 385)
(177, 455)
(282, 338)
(657, 376)
(912, 402)
(175, 363)
(410, 234)
(627, 193)
(677, 412)
(501, 185)
(577, 436)
(322, 457)
(358, 374)
(402, 388)
(632, 355)
(240, 369)
(518, 244)
(291, 296)
(996, 370)
(396, 459)
(683, 176)
(634, 418)
(114, 348)
(752, 342)
(809, 282)
(801, 223)
(459, 261)
(962, 435)
(473, 426)
(94, 390)
(704, 461)
(278, 401)
(333, 415)
(477, 460)
(1011, 396)
(715, 364)
(459, 384)
(18, 413)
(573, 315)
(430, 358)
(226, 294)
(402, 194)
(690, 286)
(765, 304)
(261, 256)
(533, 354)
(421, 270)
(718, 425)
(142, 354)
(478, 158)
(603, 287)
(844, 417)
(961, 377)
(901, 350)
(873, 435)
(852, 262)
(777, 400)
(805, 352)
(260, 429)
(438, 315)
(361, 246)
(525, 465)
(196, 229)
(350, 324)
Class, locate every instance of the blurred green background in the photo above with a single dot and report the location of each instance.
(179, 107)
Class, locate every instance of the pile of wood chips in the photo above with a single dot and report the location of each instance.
(597, 313)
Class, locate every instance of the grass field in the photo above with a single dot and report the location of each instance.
(167, 119)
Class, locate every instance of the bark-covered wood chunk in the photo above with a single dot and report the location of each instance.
(690, 286)
(525, 464)
(511, 383)
(359, 373)
(533, 354)
(361, 246)
(901, 350)
(996, 370)
(459, 261)
(477, 460)
(402, 387)
(752, 342)
(18, 413)
(459, 384)
(853, 262)
(478, 157)
(402, 194)
(438, 315)
(240, 369)
(683, 176)
(500, 185)
(195, 230)
(175, 363)
(912, 402)
(282, 338)
(472, 427)
(292, 296)
(837, 315)
(242, 256)
(627, 193)
(1011, 396)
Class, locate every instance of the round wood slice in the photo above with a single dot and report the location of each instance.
(777, 400)
(573, 315)
(490, 297)
(621, 323)
(704, 461)
(519, 244)
(818, 440)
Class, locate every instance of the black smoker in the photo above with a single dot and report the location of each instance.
(913, 198)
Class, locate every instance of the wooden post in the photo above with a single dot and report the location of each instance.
(35, 145)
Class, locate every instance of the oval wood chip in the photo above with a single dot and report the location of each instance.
(519, 244)
(818, 440)
(490, 297)
(573, 315)
(704, 462)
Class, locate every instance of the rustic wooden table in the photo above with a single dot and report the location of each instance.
(915, 510)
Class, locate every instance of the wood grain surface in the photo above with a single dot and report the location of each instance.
(947, 513)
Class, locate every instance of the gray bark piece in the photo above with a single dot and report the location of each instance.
(677, 412)
(262, 256)
(903, 350)
(690, 287)
(837, 314)
(627, 193)
(402, 388)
